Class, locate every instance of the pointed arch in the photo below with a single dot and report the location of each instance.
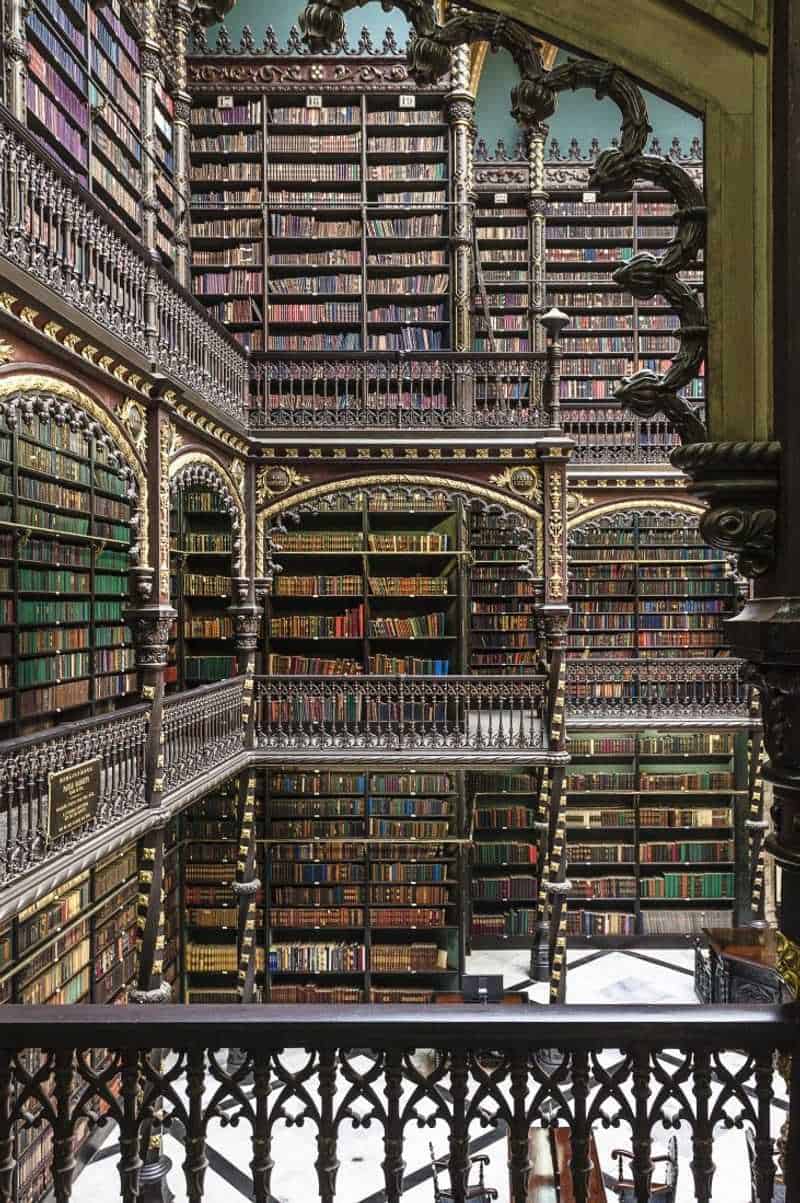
(27, 395)
(199, 468)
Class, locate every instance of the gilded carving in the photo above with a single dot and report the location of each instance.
(273, 481)
(6, 351)
(134, 418)
(212, 468)
(28, 315)
(52, 330)
(7, 301)
(167, 437)
(788, 962)
(524, 482)
(555, 531)
(237, 472)
(602, 509)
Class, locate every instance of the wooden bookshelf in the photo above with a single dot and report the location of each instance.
(75, 945)
(361, 178)
(201, 648)
(644, 586)
(84, 104)
(503, 634)
(504, 873)
(502, 239)
(656, 847)
(64, 537)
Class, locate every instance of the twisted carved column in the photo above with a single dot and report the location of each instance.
(461, 112)
(182, 20)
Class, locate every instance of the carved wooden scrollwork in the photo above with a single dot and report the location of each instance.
(196, 470)
(533, 100)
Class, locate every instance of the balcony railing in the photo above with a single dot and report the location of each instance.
(201, 729)
(394, 390)
(711, 688)
(115, 747)
(54, 230)
(380, 714)
(633, 1073)
(608, 434)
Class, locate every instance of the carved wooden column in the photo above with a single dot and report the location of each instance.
(461, 112)
(535, 137)
(16, 57)
(182, 101)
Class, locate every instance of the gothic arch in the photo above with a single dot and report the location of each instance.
(198, 468)
(270, 519)
(26, 395)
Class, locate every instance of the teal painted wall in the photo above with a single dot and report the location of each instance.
(258, 14)
(578, 114)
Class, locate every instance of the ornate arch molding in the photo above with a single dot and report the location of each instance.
(533, 100)
(527, 520)
(607, 511)
(198, 469)
(24, 397)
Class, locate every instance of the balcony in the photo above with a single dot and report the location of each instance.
(608, 434)
(395, 1073)
(713, 690)
(414, 392)
(57, 239)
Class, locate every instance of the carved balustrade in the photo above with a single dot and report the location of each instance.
(608, 434)
(55, 231)
(491, 1072)
(708, 689)
(201, 729)
(424, 714)
(391, 390)
(29, 833)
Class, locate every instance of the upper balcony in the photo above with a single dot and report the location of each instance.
(61, 247)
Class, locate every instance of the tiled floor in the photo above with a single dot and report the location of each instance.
(663, 976)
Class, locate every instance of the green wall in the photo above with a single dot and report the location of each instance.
(578, 115)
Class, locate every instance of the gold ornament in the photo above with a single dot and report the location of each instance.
(275, 480)
(523, 481)
(6, 351)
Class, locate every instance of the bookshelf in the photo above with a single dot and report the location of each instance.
(655, 840)
(75, 945)
(352, 863)
(201, 648)
(364, 177)
(64, 538)
(502, 239)
(363, 874)
(373, 587)
(644, 585)
(503, 632)
(84, 106)
(503, 861)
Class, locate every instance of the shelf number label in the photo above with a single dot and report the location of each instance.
(408, 101)
(501, 198)
(313, 102)
(589, 198)
(224, 102)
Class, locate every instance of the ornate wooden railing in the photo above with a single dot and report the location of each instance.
(710, 688)
(379, 714)
(56, 232)
(32, 829)
(397, 390)
(201, 729)
(608, 434)
(639, 1071)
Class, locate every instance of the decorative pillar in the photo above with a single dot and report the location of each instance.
(461, 113)
(182, 102)
(535, 138)
(16, 57)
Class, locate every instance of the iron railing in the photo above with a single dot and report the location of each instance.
(609, 434)
(397, 390)
(640, 1072)
(710, 688)
(201, 729)
(29, 833)
(424, 714)
(55, 231)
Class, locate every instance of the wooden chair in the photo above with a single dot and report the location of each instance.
(477, 1193)
(778, 1190)
(660, 1192)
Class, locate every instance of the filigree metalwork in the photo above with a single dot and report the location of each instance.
(619, 688)
(196, 469)
(201, 730)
